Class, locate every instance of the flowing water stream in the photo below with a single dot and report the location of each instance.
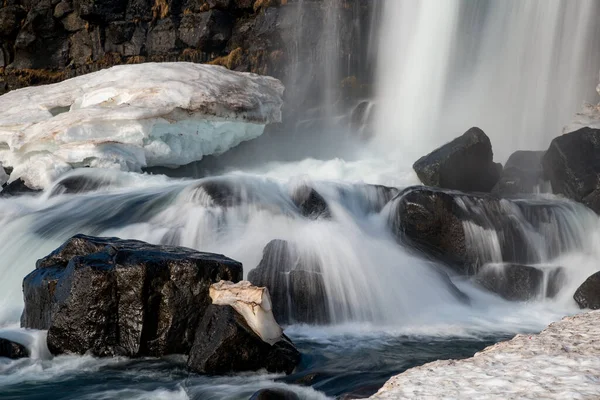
(443, 67)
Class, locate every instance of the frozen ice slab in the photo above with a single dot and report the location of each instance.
(133, 116)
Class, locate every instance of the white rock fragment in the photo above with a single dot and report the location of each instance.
(133, 116)
(251, 302)
(562, 362)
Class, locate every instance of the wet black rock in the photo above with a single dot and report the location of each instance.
(588, 294)
(78, 184)
(572, 164)
(295, 284)
(17, 188)
(274, 394)
(465, 164)
(521, 174)
(517, 282)
(12, 350)
(225, 343)
(310, 203)
(433, 222)
(121, 297)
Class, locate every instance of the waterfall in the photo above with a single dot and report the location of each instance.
(517, 69)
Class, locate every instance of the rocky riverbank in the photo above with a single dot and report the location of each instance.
(562, 362)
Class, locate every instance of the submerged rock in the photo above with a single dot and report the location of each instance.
(274, 394)
(521, 174)
(12, 350)
(295, 283)
(111, 296)
(465, 164)
(226, 343)
(572, 164)
(588, 294)
(310, 203)
(17, 188)
(517, 282)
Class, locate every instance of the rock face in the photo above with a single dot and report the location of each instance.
(310, 203)
(521, 174)
(49, 41)
(12, 350)
(588, 294)
(465, 164)
(572, 164)
(295, 283)
(121, 297)
(225, 343)
(519, 282)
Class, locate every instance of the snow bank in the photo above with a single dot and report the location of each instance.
(562, 362)
(133, 116)
(251, 302)
(589, 116)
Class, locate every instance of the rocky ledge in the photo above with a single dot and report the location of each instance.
(561, 362)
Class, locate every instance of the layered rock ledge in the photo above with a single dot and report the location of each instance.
(561, 362)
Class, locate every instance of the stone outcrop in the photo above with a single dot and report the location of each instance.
(465, 164)
(12, 350)
(521, 174)
(122, 297)
(295, 283)
(588, 294)
(572, 165)
(238, 333)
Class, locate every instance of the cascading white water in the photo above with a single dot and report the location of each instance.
(518, 69)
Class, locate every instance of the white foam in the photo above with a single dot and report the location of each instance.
(133, 116)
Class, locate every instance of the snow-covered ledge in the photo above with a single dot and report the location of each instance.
(588, 116)
(133, 116)
(562, 362)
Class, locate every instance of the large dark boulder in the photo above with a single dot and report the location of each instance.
(310, 203)
(12, 350)
(225, 343)
(121, 297)
(572, 164)
(465, 164)
(588, 294)
(452, 227)
(295, 283)
(521, 174)
(517, 282)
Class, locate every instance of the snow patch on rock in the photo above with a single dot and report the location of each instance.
(251, 302)
(562, 362)
(133, 116)
(589, 116)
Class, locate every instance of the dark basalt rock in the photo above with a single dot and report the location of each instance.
(588, 294)
(78, 184)
(572, 164)
(310, 203)
(12, 350)
(16, 188)
(521, 174)
(274, 394)
(518, 282)
(10, 20)
(465, 164)
(121, 297)
(295, 284)
(225, 343)
(432, 221)
(209, 31)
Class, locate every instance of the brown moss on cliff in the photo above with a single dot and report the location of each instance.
(230, 61)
